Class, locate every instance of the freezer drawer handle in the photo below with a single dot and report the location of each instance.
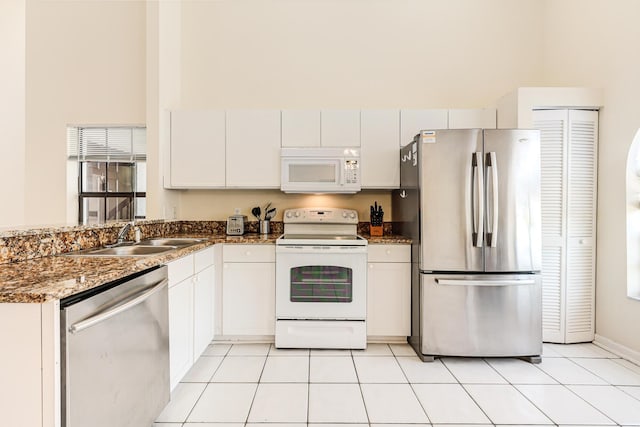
(139, 298)
(477, 199)
(514, 282)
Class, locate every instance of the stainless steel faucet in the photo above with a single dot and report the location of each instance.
(122, 233)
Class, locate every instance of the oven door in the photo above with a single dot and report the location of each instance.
(321, 282)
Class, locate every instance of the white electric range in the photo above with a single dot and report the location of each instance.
(321, 280)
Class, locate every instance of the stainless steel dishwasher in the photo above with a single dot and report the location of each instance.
(115, 352)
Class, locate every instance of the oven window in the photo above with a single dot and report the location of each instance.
(319, 283)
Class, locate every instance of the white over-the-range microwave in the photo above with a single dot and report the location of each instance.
(320, 170)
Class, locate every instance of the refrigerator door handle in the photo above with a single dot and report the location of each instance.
(492, 235)
(477, 199)
(499, 282)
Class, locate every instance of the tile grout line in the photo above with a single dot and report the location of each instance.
(308, 385)
(206, 385)
(413, 390)
(521, 393)
(257, 386)
(560, 383)
(467, 392)
(364, 402)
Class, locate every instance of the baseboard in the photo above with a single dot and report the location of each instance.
(383, 339)
(616, 348)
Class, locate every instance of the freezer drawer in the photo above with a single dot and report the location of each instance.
(481, 315)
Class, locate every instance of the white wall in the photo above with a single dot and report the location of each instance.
(219, 204)
(12, 111)
(594, 43)
(85, 64)
(163, 25)
(357, 53)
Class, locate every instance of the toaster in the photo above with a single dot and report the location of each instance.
(236, 225)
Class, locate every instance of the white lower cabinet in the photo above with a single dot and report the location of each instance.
(203, 310)
(191, 310)
(180, 330)
(248, 290)
(389, 290)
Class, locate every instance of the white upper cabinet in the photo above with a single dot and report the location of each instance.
(484, 118)
(340, 128)
(197, 149)
(253, 149)
(300, 128)
(380, 142)
(413, 121)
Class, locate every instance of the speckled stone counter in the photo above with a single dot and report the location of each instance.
(54, 277)
(387, 239)
(34, 269)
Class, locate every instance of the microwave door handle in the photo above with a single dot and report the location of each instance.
(341, 172)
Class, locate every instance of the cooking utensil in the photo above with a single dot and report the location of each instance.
(270, 214)
(266, 209)
(256, 212)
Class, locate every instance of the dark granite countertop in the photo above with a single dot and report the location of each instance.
(55, 277)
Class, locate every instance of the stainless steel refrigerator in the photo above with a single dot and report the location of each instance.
(470, 200)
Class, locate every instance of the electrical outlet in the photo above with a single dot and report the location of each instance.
(236, 211)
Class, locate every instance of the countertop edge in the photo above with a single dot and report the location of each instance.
(83, 273)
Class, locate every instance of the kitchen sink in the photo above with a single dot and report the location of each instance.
(169, 241)
(133, 250)
(146, 247)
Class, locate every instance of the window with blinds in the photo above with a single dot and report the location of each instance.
(111, 164)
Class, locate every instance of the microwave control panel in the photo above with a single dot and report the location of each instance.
(351, 171)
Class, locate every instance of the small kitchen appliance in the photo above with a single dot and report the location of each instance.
(470, 201)
(320, 170)
(236, 225)
(321, 280)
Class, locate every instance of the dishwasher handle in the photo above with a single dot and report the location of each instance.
(137, 299)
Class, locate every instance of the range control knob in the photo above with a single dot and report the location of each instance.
(344, 214)
(352, 215)
(289, 214)
(297, 214)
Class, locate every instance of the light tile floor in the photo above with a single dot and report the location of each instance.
(256, 385)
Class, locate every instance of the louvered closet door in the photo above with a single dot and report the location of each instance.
(581, 225)
(553, 158)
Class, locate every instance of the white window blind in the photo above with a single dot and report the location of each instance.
(107, 143)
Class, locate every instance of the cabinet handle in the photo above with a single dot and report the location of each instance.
(225, 265)
(370, 265)
(248, 253)
(388, 251)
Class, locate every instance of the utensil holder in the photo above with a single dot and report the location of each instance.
(375, 230)
(265, 227)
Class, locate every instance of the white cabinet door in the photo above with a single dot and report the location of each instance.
(380, 148)
(300, 128)
(253, 149)
(248, 298)
(413, 121)
(203, 310)
(180, 330)
(197, 154)
(340, 128)
(568, 202)
(389, 299)
(484, 118)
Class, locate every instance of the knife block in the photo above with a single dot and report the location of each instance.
(375, 230)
